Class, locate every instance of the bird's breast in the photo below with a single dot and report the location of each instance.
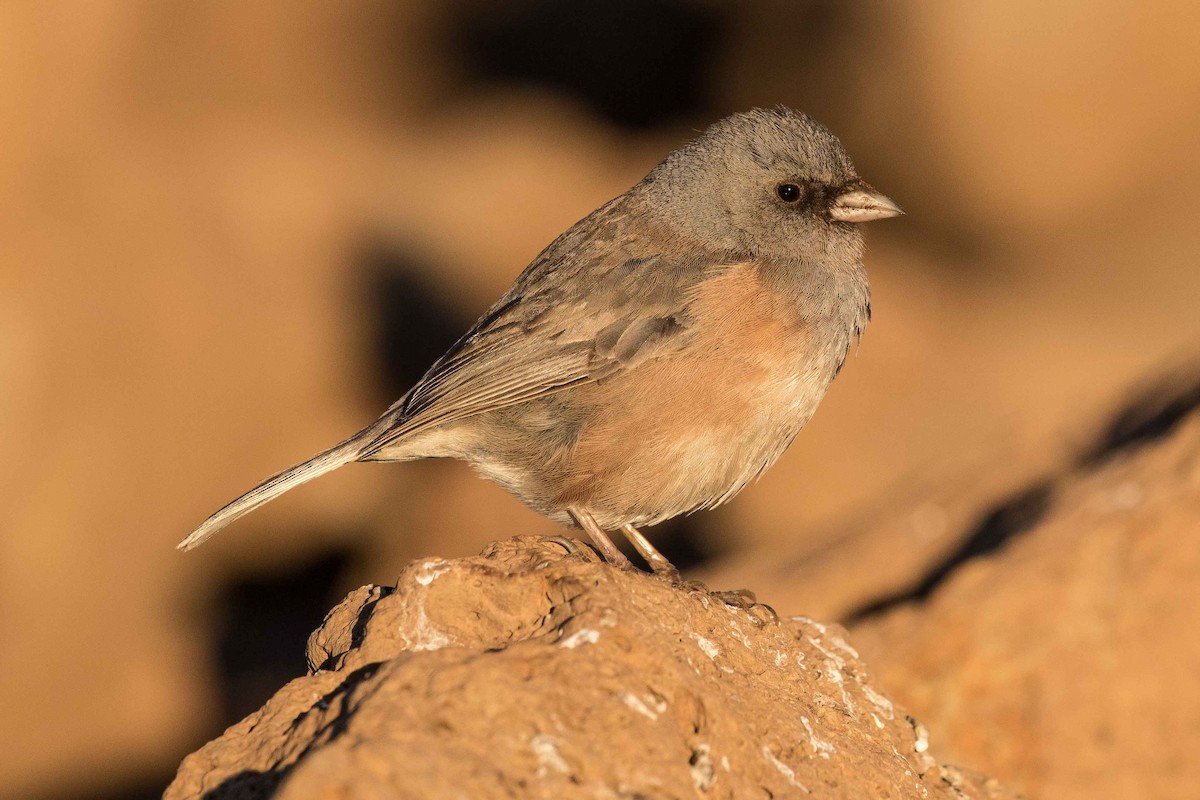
(691, 428)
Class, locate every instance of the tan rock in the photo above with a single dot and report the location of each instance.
(528, 672)
(1065, 663)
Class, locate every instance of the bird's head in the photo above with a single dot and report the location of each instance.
(772, 183)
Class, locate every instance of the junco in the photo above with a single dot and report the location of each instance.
(661, 353)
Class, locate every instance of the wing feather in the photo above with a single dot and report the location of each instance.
(545, 336)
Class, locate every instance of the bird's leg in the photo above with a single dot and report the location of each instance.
(657, 561)
(599, 538)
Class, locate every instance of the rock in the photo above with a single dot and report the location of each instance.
(1065, 661)
(534, 670)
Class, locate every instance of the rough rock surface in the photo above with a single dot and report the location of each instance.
(531, 671)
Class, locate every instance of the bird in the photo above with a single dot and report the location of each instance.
(657, 356)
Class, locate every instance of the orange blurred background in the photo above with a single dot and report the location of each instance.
(232, 233)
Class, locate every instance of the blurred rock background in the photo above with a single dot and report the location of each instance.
(232, 233)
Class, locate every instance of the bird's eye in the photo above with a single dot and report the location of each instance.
(788, 192)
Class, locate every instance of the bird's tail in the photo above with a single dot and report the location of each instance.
(290, 478)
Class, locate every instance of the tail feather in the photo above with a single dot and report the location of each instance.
(277, 484)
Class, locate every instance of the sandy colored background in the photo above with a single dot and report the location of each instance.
(230, 233)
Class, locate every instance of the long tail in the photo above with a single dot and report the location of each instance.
(290, 478)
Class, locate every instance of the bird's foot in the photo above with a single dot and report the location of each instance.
(666, 571)
(571, 546)
(742, 599)
(738, 598)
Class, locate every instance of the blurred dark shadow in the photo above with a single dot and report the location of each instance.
(1150, 415)
(144, 786)
(261, 621)
(248, 785)
(409, 324)
(636, 63)
(263, 618)
(687, 542)
(1003, 522)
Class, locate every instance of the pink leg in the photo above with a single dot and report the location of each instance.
(604, 544)
(657, 561)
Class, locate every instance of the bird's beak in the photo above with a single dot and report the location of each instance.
(863, 204)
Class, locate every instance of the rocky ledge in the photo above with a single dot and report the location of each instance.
(536, 671)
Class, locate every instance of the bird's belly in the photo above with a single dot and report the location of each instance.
(693, 442)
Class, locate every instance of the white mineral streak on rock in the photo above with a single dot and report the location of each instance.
(835, 677)
(545, 748)
(417, 632)
(922, 734)
(709, 648)
(822, 748)
(829, 654)
(423, 635)
(635, 702)
(742, 637)
(882, 703)
(581, 636)
(428, 571)
(703, 772)
(784, 770)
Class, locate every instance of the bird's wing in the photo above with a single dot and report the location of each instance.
(586, 309)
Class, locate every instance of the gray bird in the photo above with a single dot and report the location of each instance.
(659, 354)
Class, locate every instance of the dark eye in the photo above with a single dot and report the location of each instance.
(788, 192)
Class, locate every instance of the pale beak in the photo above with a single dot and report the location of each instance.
(863, 205)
